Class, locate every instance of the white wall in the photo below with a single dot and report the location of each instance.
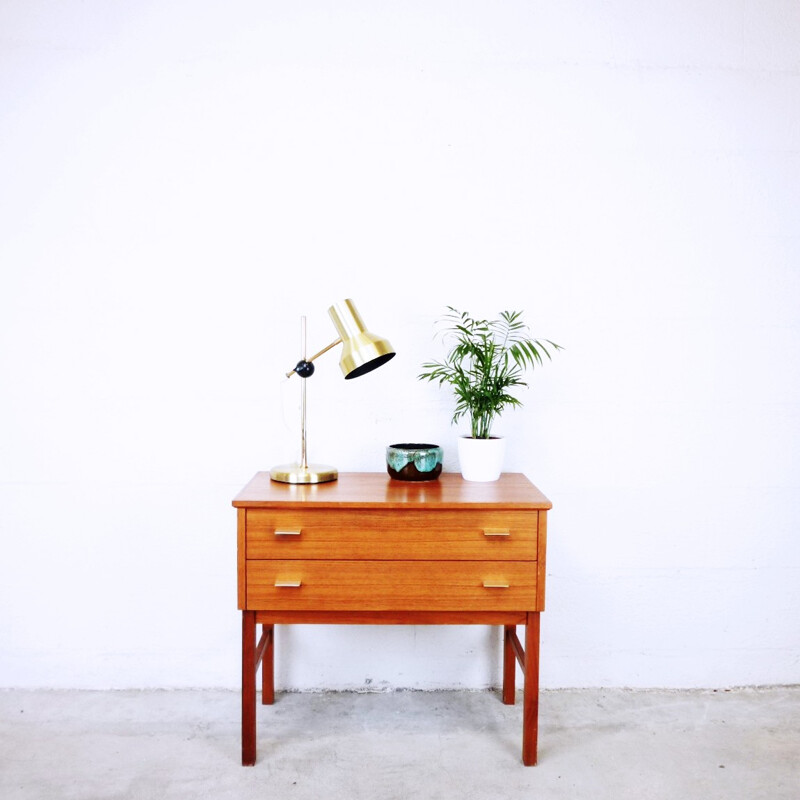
(180, 181)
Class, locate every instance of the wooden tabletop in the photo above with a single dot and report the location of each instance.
(360, 489)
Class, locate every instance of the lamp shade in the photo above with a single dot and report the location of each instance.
(362, 351)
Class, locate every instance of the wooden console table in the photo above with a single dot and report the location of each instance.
(372, 550)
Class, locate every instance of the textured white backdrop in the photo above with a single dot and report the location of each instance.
(180, 181)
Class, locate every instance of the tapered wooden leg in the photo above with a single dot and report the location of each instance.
(268, 666)
(248, 688)
(530, 708)
(509, 666)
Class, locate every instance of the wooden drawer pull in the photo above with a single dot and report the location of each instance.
(286, 584)
(287, 533)
(494, 585)
(496, 532)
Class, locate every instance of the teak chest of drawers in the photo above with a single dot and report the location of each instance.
(369, 549)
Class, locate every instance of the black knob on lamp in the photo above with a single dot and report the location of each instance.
(305, 369)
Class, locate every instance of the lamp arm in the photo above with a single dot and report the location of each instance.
(310, 360)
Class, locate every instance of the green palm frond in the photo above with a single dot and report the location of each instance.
(486, 358)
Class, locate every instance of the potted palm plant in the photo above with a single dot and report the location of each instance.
(486, 359)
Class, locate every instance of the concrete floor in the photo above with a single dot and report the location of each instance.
(593, 744)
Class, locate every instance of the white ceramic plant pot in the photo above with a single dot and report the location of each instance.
(481, 459)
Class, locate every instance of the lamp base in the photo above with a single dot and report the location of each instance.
(297, 473)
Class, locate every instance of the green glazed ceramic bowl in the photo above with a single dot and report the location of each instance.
(414, 462)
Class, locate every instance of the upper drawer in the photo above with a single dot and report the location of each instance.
(396, 535)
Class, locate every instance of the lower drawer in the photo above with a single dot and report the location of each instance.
(391, 585)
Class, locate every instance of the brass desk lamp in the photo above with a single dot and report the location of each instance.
(362, 352)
